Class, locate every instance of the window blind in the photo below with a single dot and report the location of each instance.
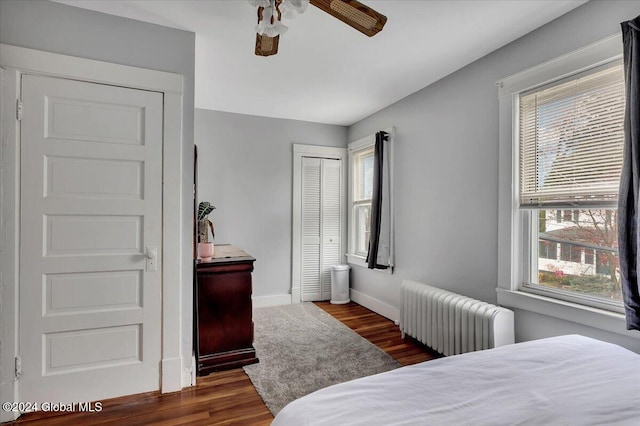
(571, 140)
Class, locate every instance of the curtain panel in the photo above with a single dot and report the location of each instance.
(380, 254)
(629, 197)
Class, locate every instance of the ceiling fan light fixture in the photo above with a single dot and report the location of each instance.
(268, 25)
(269, 16)
(292, 8)
(259, 3)
(272, 30)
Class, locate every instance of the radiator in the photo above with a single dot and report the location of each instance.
(450, 323)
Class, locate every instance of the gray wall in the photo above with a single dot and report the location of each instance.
(245, 166)
(446, 154)
(59, 28)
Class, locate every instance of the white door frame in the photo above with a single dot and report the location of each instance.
(15, 61)
(300, 151)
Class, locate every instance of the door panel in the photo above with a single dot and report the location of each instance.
(91, 120)
(92, 290)
(101, 347)
(91, 182)
(83, 234)
(61, 179)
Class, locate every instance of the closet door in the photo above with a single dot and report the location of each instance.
(311, 194)
(321, 225)
(329, 222)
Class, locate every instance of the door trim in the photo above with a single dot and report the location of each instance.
(314, 151)
(15, 61)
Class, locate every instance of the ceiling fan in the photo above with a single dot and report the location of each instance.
(270, 12)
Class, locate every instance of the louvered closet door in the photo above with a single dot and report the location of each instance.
(321, 230)
(311, 289)
(330, 222)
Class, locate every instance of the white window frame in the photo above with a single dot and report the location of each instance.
(514, 236)
(367, 142)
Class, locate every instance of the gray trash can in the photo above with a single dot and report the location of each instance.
(340, 284)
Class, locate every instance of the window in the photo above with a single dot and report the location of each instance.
(361, 165)
(548, 249)
(361, 162)
(565, 252)
(519, 261)
(363, 191)
(588, 256)
(570, 143)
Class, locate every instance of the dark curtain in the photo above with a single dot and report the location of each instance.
(629, 199)
(376, 203)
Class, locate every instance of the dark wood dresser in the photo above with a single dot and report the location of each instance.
(223, 318)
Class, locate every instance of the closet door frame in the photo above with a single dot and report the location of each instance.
(301, 151)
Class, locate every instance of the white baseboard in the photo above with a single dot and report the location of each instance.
(171, 375)
(274, 300)
(295, 295)
(8, 416)
(189, 374)
(8, 392)
(376, 305)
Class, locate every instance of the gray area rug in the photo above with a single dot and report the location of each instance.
(302, 349)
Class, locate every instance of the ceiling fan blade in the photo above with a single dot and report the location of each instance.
(353, 13)
(266, 46)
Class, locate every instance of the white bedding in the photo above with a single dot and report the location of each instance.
(566, 380)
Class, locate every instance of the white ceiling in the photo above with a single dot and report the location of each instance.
(325, 71)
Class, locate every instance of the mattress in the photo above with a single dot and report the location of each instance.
(566, 380)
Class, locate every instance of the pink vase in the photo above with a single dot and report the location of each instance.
(205, 251)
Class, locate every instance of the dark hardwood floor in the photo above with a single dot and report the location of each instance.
(380, 331)
(229, 398)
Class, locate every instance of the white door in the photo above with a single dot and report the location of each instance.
(321, 225)
(90, 271)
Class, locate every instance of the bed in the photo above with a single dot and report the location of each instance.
(566, 380)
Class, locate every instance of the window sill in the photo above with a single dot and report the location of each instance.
(353, 259)
(593, 317)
